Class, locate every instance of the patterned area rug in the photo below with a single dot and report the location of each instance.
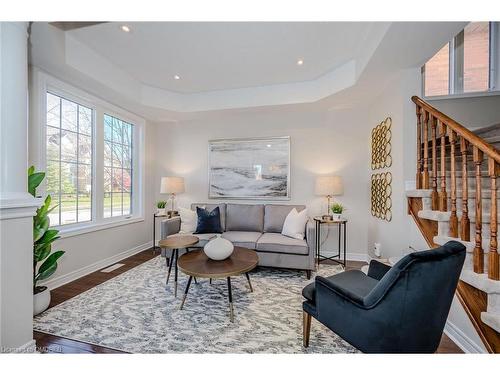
(134, 312)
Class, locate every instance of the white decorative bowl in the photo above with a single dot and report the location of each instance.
(219, 248)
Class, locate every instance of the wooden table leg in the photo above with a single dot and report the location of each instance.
(249, 283)
(230, 296)
(176, 253)
(186, 292)
(169, 266)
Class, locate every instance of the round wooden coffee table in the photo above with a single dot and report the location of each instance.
(197, 264)
(175, 243)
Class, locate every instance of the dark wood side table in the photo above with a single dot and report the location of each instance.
(342, 239)
(175, 243)
(197, 264)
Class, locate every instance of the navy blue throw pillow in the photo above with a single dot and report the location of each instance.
(208, 221)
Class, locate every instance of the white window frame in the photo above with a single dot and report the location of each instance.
(41, 83)
(456, 69)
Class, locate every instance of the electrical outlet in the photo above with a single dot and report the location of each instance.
(376, 249)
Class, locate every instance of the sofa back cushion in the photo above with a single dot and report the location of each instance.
(245, 217)
(275, 215)
(210, 207)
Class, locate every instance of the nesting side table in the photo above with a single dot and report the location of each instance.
(340, 256)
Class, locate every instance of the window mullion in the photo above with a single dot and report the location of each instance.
(494, 76)
(98, 180)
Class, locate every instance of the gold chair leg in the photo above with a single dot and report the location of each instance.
(306, 328)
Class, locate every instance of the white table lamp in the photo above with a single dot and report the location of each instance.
(172, 185)
(329, 186)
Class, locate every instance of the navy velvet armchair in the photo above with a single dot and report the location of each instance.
(402, 309)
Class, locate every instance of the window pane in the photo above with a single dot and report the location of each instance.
(107, 204)
(107, 127)
(476, 57)
(107, 179)
(437, 71)
(116, 180)
(127, 133)
(84, 149)
(117, 204)
(52, 177)
(84, 207)
(117, 131)
(68, 209)
(127, 180)
(53, 142)
(127, 157)
(68, 146)
(69, 115)
(107, 154)
(85, 120)
(53, 110)
(117, 155)
(54, 214)
(127, 204)
(68, 178)
(84, 179)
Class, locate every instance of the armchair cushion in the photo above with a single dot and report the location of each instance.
(353, 285)
(377, 270)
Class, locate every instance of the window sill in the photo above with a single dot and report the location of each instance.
(79, 229)
(460, 96)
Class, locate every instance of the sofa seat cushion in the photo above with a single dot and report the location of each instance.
(355, 281)
(243, 239)
(277, 243)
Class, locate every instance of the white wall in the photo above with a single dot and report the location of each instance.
(321, 143)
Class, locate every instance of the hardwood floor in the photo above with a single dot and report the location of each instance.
(47, 343)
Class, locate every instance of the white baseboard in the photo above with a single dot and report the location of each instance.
(461, 339)
(29, 347)
(359, 257)
(71, 276)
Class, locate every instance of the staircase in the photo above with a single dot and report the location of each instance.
(456, 199)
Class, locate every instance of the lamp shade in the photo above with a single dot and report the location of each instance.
(172, 185)
(329, 185)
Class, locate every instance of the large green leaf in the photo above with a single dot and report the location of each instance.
(49, 236)
(31, 170)
(48, 265)
(42, 251)
(49, 271)
(34, 180)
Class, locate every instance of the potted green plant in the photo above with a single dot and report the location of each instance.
(337, 210)
(161, 207)
(43, 238)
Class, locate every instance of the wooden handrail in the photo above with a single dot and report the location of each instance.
(465, 133)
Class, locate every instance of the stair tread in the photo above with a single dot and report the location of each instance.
(480, 281)
(469, 245)
(491, 319)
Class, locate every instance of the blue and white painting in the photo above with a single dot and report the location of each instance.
(256, 168)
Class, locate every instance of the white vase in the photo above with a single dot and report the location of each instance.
(219, 248)
(41, 301)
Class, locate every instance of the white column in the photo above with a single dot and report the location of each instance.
(17, 206)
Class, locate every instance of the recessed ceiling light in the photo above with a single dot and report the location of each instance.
(125, 28)
(300, 62)
(176, 77)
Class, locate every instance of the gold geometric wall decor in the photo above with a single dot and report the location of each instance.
(381, 145)
(381, 191)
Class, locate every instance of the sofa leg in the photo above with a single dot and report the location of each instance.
(308, 274)
(306, 328)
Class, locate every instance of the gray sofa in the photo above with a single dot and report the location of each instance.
(258, 227)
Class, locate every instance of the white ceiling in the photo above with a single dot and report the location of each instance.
(220, 56)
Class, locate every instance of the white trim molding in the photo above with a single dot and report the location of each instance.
(461, 339)
(74, 275)
(17, 205)
(358, 257)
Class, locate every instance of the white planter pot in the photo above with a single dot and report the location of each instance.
(41, 301)
(219, 248)
(161, 211)
(337, 216)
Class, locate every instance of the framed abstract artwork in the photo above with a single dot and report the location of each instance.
(249, 168)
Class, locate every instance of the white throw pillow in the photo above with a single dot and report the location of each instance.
(295, 224)
(189, 219)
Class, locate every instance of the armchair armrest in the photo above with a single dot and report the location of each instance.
(326, 286)
(170, 226)
(377, 270)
